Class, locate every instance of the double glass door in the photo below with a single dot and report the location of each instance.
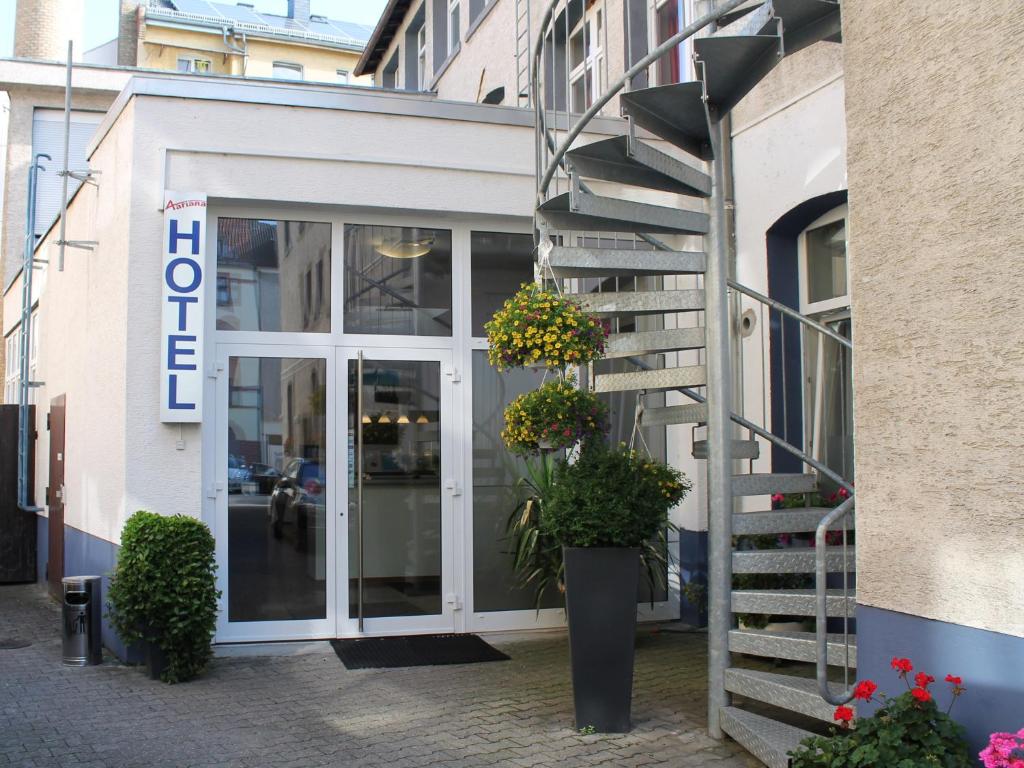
(334, 487)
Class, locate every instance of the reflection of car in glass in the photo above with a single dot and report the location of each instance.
(238, 473)
(296, 497)
(265, 477)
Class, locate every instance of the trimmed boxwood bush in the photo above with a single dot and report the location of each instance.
(163, 590)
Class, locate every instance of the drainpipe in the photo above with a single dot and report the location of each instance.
(244, 50)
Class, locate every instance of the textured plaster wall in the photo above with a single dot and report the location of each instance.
(936, 156)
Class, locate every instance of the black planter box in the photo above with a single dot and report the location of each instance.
(600, 599)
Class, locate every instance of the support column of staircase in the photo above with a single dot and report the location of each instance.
(749, 41)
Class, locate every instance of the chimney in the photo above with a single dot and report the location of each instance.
(298, 10)
(128, 33)
(42, 29)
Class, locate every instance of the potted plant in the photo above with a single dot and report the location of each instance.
(539, 327)
(554, 417)
(906, 730)
(163, 593)
(603, 509)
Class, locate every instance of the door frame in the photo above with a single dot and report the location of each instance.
(452, 494)
(270, 630)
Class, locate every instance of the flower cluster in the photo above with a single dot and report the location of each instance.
(539, 327)
(671, 482)
(1004, 750)
(865, 690)
(553, 417)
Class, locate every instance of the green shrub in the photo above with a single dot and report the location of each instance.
(163, 590)
(610, 497)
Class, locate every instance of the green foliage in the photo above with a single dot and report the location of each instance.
(554, 417)
(904, 733)
(163, 590)
(536, 556)
(610, 497)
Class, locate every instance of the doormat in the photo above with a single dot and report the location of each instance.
(414, 651)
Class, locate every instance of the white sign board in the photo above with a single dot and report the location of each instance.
(181, 296)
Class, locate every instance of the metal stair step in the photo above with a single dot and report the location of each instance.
(649, 342)
(690, 413)
(677, 113)
(733, 65)
(805, 22)
(797, 694)
(629, 303)
(794, 646)
(758, 484)
(741, 449)
(796, 520)
(655, 379)
(626, 160)
(792, 602)
(790, 560)
(737, 13)
(588, 262)
(593, 213)
(770, 741)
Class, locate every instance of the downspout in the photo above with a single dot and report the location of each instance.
(244, 50)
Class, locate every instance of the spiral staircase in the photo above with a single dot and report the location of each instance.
(738, 45)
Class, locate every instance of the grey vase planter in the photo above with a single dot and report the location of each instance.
(600, 599)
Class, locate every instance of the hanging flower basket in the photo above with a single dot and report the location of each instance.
(554, 417)
(538, 327)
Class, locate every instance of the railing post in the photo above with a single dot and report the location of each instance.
(719, 399)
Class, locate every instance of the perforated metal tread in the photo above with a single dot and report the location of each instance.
(629, 161)
(795, 560)
(677, 113)
(630, 303)
(797, 694)
(612, 262)
(796, 520)
(768, 740)
(593, 213)
(649, 342)
(792, 602)
(653, 380)
(794, 646)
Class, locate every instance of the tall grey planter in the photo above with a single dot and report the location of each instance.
(600, 599)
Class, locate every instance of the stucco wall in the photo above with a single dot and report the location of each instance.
(935, 120)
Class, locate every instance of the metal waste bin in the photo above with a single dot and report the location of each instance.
(83, 640)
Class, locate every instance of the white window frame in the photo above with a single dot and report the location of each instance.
(11, 379)
(686, 71)
(288, 66)
(838, 303)
(453, 22)
(344, 76)
(593, 28)
(421, 58)
(193, 63)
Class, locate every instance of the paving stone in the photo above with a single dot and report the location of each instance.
(308, 710)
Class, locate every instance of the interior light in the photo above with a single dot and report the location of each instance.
(384, 419)
(367, 419)
(403, 419)
(422, 419)
(405, 247)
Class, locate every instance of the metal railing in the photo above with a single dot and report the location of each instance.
(555, 134)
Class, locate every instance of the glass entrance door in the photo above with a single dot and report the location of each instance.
(401, 487)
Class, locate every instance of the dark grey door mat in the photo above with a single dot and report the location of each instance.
(414, 651)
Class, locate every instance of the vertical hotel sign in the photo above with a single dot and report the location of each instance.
(181, 336)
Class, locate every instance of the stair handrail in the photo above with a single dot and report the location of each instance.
(821, 603)
(790, 312)
(577, 128)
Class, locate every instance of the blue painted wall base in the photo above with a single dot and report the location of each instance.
(88, 555)
(991, 665)
(693, 567)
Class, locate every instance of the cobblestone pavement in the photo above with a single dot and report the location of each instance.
(308, 710)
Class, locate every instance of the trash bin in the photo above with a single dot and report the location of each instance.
(83, 640)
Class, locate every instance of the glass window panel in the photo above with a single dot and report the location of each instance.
(499, 264)
(398, 280)
(401, 517)
(495, 491)
(264, 275)
(277, 489)
(826, 262)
